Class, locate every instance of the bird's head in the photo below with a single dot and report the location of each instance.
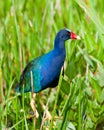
(64, 35)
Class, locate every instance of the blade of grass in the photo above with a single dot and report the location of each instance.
(67, 107)
(18, 35)
(16, 124)
(79, 106)
(17, 113)
(56, 100)
(24, 126)
(92, 14)
(71, 98)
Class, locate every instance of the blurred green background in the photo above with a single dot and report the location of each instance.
(27, 30)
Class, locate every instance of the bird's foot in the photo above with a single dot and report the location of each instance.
(33, 106)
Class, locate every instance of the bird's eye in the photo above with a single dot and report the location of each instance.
(68, 33)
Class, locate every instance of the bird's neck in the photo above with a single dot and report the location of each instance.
(59, 49)
(59, 45)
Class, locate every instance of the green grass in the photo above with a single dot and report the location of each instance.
(27, 30)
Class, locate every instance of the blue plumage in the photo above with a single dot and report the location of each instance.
(45, 70)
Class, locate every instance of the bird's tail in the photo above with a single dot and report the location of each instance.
(17, 88)
(20, 88)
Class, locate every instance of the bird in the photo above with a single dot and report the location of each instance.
(44, 71)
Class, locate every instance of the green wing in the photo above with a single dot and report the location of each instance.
(32, 71)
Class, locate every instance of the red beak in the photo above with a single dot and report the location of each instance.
(74, 36)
